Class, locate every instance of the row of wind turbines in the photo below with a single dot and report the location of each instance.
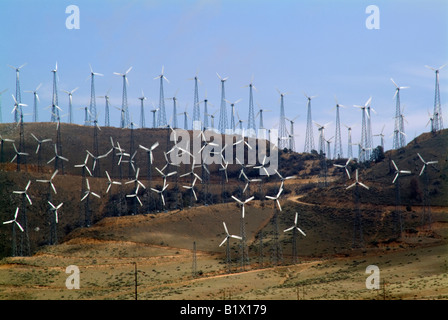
(286, 138)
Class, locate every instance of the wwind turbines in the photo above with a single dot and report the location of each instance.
(87, 212)
(54, 222)
(197, 125)
(397, 212)
(18, 93)
(364, 130)
(437, 114)
(227, 241)
(70, 100)
(124, 120)
(39, 143)
(294, 229)
(36, 100)
(15, 224)
(399, 140)
(426, 216)
(338, 153)
(142, 111)
(251, 128)
(309, 138)
(25, 249)
(223, 125)
(358, 239)
(277, 254)
(150, 156)
(244, 249)
(282, 131)
(55, 101)
(161, 121)
(92, 107)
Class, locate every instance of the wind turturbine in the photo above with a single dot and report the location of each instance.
(161, 121)
(227, 241)
(294, 229)
(70, 100)
(110, 182)
(84, 166)
(426, 217)
(242, 203)
(36, 100)
(56, 158)
(14, 223)
(160, 192)
(437, 114)
(124, 121)
(50, 181)
(53, 232)
(275, 198)
(344, 166)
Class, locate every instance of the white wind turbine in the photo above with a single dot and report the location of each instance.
(191, 187)
(294, 229)
(344, 166)
(36, 100)
(70, 101)
(357, 182)
(56, 157)
(160, 192)
(84, 166)
(18, 154)
(397, 212)
(25, 192)
(262, 166)
(88, 192)
(397, 172)
(227, 241)
(242, 203)
(283, 179)
(110, 182)
(50, 181)
(55, 209)
(15, 220)
(275, 198)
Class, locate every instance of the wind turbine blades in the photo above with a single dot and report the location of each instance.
(396, 176)
(278, 203)
(224, 241)
(289, 229)
(363, 185)
(108, 188)
(301, 231)
(405, 171)
(29, 200)
(351, 186)
(85, 196)
(96, 195)
(53, 187)
(236, 237)
(18, 224)
(395, 166)
(348, 173)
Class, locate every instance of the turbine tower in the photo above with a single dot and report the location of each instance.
(426, 216)
(223, 125)
(92, 107)
(294, 229)
(292, 141)
(142, 111)
(364, 134)
(196, 108)
(398, 133)
(124, 120)
(358, 239)
(438, 120)
(349, 141)
(282, 131)
(161, 121)
(70, 96)
(18, 94)
(309, 138)
(106, 109)
(338, 153)
(251, 128)
(36, 100)
(397, 213)
(55, 101)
